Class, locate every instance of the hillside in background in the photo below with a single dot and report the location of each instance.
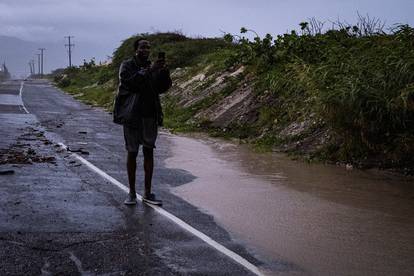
(344, 95)
(17, 53)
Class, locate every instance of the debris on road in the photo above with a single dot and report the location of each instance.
(6, 172)
(80, 150)
(24, 153)
(12, 156)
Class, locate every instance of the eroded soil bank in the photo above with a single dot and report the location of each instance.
(326, 219)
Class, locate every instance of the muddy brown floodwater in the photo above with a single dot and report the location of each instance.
(325, 219)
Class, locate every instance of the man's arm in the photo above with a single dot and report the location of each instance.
(130, 79)
(164, 81)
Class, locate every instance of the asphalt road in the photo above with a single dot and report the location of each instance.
(60, 217)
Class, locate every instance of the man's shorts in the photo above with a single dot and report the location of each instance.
(144, 133)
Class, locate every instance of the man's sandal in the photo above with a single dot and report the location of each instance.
(152, 200)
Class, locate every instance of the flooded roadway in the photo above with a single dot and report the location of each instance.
(325, 219)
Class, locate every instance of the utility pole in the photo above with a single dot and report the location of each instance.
(38, 64)
(31, 69)
(41, 53)
(69, 45)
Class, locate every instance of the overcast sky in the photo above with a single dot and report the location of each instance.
(102, 24)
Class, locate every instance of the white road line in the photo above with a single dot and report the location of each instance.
(20, 95)
(232, 255)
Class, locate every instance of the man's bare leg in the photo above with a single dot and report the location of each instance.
(131, 168)
(148, 168)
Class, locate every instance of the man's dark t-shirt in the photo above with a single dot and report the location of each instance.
(147, 104)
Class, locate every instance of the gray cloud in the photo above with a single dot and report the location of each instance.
(45, 19)
(99, 26)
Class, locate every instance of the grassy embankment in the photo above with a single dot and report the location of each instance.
(343, 95)
(96, 85)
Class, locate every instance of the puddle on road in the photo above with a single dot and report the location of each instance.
(325, 219)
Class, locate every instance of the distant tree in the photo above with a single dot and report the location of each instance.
(4, 72)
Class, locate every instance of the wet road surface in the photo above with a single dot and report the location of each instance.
(59, 217)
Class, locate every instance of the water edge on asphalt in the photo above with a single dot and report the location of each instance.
(326, 219)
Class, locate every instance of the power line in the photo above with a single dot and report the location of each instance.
(70, 45)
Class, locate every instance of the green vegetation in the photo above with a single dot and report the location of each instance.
(360, 83)
(180, 50)
(93, 85)
(354, 84)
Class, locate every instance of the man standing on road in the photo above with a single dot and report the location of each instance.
(138, 109)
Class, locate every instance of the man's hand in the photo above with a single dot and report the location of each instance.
(144, 71)
(159, 64)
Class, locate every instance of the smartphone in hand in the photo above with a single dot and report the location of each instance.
(161, 56)
(160, 62)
